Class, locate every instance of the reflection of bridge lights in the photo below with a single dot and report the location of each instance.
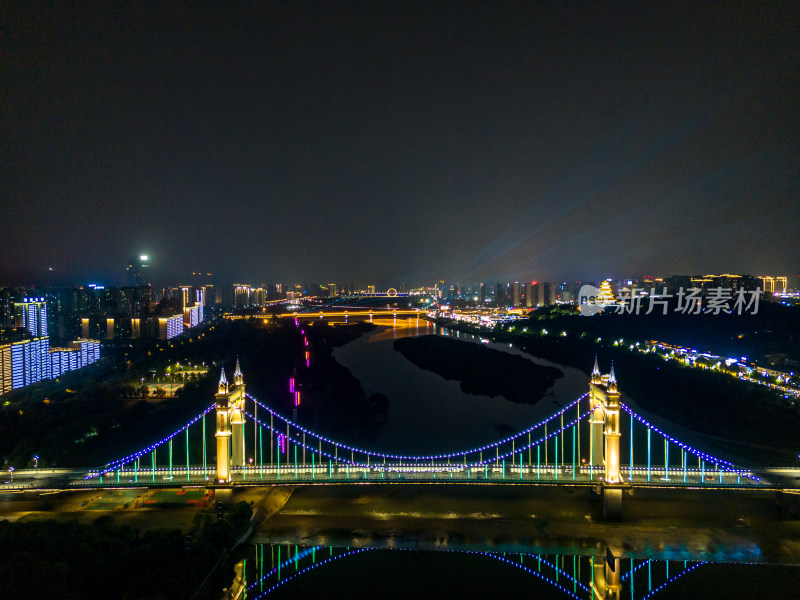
(575, 582)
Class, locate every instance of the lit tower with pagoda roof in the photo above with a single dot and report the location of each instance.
(606, 294)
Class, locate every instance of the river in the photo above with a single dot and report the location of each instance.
(429, 414)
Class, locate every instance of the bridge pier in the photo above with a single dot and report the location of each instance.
(223, 495)
(612, 503)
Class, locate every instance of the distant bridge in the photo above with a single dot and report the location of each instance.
(338, 313)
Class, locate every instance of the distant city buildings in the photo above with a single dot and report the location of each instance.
(774, 285)
(533, 294)
(25, 354)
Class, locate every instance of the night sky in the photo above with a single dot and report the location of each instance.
(398, 142)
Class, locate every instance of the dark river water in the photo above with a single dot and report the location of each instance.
(429, 414)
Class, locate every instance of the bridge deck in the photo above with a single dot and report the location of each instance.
(437, 473)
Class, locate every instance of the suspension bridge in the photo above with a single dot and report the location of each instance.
(595, 441)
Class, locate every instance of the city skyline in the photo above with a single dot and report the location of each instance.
(398, 143)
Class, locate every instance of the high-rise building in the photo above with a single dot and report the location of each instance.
(27, 361)
(546, 293)
(32, 315)
(258, 296)
(515, 294)
(482, 294)
(530, 294)
(241, 295)
(169, 327)
(192, 316)
(78, 354)
(139, 270)
(7, 319)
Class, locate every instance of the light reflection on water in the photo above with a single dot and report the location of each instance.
(290, 571)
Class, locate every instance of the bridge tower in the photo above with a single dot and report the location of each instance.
(230, 424)
(604, 400)
(237, 418)
(597, 418)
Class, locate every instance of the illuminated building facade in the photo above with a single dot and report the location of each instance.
(32, 315)
(773, 285)
(241, 295)
(78, 354)
(170, 326)
(27, 361)
(192, 316)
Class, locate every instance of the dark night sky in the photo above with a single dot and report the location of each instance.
(399, 142)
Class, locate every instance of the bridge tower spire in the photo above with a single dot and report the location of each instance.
(237, 374)
(223, 382)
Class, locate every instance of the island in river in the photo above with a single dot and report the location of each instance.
(480, 370)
